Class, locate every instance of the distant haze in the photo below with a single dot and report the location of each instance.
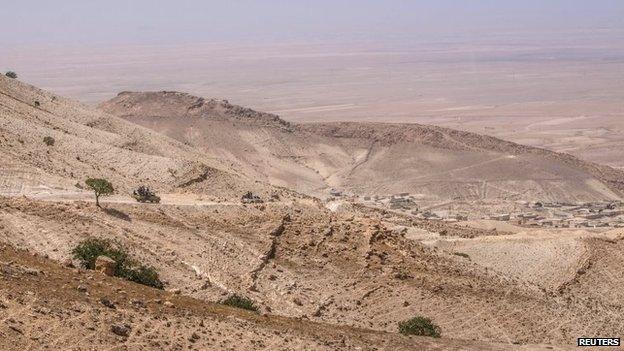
(73, 22)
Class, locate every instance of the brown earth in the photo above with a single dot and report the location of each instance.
(89, 143)
(323, 279)
(45, 306)
(344, 269)
(368, 158)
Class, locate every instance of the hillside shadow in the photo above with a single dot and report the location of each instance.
(118, 214)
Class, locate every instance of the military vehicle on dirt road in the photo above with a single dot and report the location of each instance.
(144, 194)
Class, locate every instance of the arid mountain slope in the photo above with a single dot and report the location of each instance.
(90, 143)
(46, 306)
(368, 158)
(258, 145)
(348, 268)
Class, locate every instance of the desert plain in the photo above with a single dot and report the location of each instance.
(478, 185)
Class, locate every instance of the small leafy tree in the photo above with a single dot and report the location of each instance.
(419, 326)
(240, 302)
(101, 187)
(11, 74)
(48, 140)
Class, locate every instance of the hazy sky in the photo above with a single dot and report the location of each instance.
(80, 22)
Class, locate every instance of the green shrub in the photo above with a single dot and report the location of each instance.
(419, 326)
(240, 302)
(87, 251)
(11, 74)
(49, 140)
(461, 254)
(144, 275)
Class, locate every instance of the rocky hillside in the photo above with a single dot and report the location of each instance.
(46, 306)
(322, 277)
(52, 142)
(346, 269)
(171, 104)
(368, 158)
(445, 138)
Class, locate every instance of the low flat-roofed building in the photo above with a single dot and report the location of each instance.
(501, 217)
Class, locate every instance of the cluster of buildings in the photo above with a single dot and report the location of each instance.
(567, 215)
(408, 203)
(532, 214)
(403, 201)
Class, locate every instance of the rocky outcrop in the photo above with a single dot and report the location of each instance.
(269, 253)
(183, 105)
(105, 265)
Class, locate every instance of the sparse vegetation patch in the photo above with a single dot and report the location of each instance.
(87, 251)
(49, 140)
(421, 326)
(240, 302)
(461, 254)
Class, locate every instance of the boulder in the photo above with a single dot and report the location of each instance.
(105, 265)
(108, 303)
(121, 329)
